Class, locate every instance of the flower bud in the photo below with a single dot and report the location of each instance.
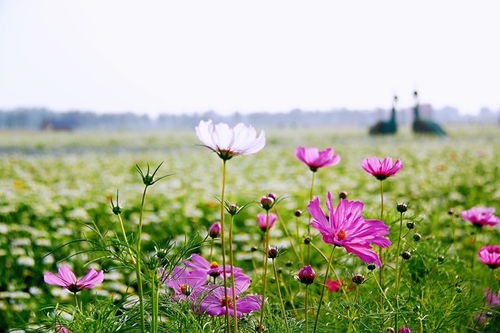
(417, 237)
(307, 240)
(358, 279)
(289, 263)
(267, 202)
(272, 196)
(402, 207)
(371, 267)
(343, 195)
(390, 330)
(406, 255)
(214, 230)
(410, 225)
(260, 328)
(306, 275)
(298, 213)
(116, 210)
(451, 211)
(232, 209)
(441, 259)
(272, 253)
(253, 248)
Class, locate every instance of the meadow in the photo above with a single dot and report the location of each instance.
(55, 209)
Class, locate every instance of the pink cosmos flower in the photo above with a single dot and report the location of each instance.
(490, 255)
(185, 283)
(492, 298)
(61, 329)
(66, 278)
(316, 159)
(480, 216)
(404, 330)
(334, 285)
(198, 263)
(261, 219)
(228, 142)
(347, 228)
(215, 302)
(381, 169)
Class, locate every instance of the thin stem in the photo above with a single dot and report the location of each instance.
(125, 235)
(138, 261)
(398, 268)
(323, 290)
(223, 243)
(154, 300)
(380, 272)
(283, 312)
(309, 222)
(382, 292)
(264, 275)
(211, 249)
(305, 308)
(77, 303)
(285, 229)
(231, 263)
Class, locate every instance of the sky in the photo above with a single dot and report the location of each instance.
(246, 56)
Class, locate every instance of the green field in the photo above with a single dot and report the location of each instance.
(56, 187)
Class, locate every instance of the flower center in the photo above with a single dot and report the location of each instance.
(227, 301)
(185, 289)
(214, 264)
(341, 235)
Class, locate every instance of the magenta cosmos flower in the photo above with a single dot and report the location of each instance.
(66, 278)
(198, 263)
(347, 228)
(381, 169)
(185, 283)
(315, 159)
(404, 330)
(228, 142)
(480, 216)
(490, 255)
(263, 223)
(492, 298)
(61, 329)
(214, 303)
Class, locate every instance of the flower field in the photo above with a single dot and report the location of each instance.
(415, 267)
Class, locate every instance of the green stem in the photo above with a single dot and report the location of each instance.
(398, 269)
(323, 290)
(290, 240)
(223, 243)
(381, 276)
(309, 222)
(264, 275)
(283, 312)
(77, 303)
(231, 263)
(305, 308)
(125, 236)
(211, 249)
(138, 261)
(382, 293)
(154, 300)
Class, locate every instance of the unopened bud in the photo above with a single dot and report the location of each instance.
(417, 237)
(214, 230)
(306, 275)
(343, 195)
(410, 225)
(267, 202)
(358, 279)
(402, 207)
(298, 213)
(272, 253)
(307, 240)
(406, 255)
(371, 267)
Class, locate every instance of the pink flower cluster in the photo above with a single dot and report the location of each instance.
(199, 282)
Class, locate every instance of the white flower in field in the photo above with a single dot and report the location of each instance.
(228, 142)
(25, 261)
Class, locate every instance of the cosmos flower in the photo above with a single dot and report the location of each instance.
(61, 329)
(261, 220)
(480, 216)
(306, 275)
(198, 263)
(315, 159)
(404, 330)
(381, 169)
(492, 298)
(334, 285)
(228, 142)
(66, 278)
(347, 228)
(215, 302)
(490, 255)
(185, 283)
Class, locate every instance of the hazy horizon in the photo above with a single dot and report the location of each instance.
(228, 56)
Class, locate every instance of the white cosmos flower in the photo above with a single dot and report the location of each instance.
(228, 142)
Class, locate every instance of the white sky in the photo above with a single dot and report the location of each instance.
(188, 56)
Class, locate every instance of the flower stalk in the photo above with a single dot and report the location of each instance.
(323, 290)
